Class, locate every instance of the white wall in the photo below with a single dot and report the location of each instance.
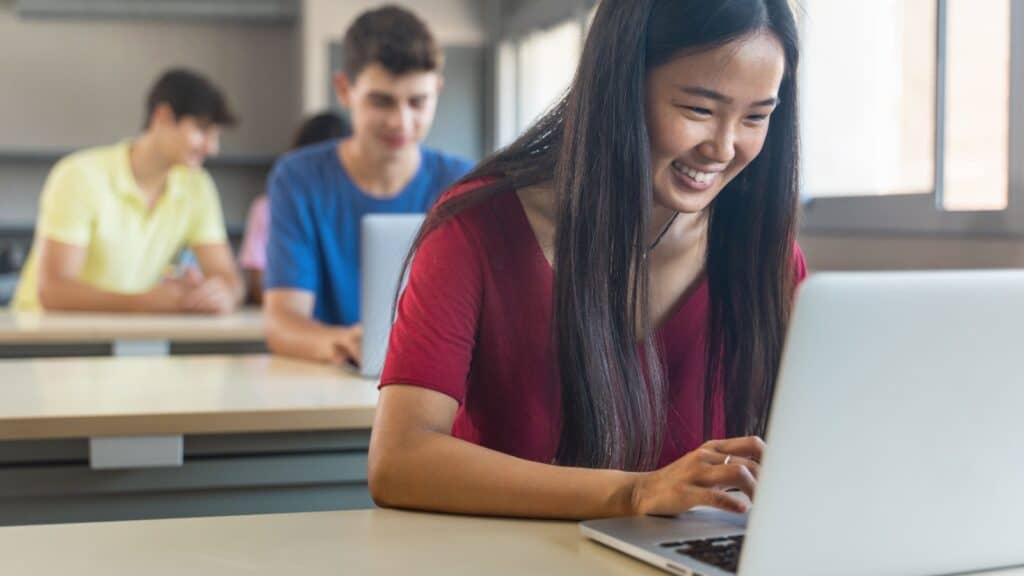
(73, 83)
(453, 22)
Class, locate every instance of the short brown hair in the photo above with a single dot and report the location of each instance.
(393, 37)
(189, 93)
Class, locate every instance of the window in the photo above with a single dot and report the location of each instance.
(906, 123)
(547, 62)
(868, 97)
(534, 73)
(976, 164)
(906, 118)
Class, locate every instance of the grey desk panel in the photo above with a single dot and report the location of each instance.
(82, 349)
(55, 350)
(44, 481)
(107, 508)
(76, 450)
(26, 452)
(263, 443)
(218, 473)
(183, 348)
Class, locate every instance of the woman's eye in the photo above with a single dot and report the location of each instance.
(757, 117)
(698, 110)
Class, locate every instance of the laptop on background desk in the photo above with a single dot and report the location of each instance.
(386, 240)
(894, 441)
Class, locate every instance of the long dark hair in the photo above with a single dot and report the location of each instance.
(594, 147)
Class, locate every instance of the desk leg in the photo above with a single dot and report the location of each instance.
(136, 452)
(141, 348)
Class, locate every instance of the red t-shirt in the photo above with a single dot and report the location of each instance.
(474, 323)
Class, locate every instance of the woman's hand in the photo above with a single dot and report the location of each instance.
(701, 478)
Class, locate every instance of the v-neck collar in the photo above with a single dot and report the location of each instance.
(684, 301)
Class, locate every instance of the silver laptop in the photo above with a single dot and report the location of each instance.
(894, 442)
(386, 239)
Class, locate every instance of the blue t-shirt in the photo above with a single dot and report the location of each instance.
(315, 215)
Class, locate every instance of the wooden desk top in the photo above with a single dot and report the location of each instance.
(176, 395)
(364, 542)
(75, 327)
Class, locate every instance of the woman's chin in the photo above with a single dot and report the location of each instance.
(688, 201)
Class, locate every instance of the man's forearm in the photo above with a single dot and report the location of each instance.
(75, 295)
(291, 334)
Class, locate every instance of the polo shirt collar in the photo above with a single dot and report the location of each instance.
(124, 180)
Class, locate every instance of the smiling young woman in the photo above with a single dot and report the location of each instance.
(595, 315)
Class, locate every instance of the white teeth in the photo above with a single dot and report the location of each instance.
(702, 177)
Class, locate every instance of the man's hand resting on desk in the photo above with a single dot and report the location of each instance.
(342, 345)
(292, 330)
(191, 293)
(167, 296)
(209, 296)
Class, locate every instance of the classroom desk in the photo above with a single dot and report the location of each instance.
(126, 438)
(364, 542)
(50, 334)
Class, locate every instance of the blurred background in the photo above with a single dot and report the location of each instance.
(913, 155)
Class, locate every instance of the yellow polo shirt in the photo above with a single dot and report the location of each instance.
(91, 200)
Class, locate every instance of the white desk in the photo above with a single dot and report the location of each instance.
(25, 334)
(209, 426)
(366, 542)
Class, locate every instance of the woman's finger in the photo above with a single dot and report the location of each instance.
(717, 498)
(750, 447)
(731, 475)
(753, 465)
(716, 458)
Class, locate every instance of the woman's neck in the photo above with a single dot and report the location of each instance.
(680, 233)
(675, 231)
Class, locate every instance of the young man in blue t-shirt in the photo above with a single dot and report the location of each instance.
(319, 194)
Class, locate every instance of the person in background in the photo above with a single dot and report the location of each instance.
(253, 253)
(594, 318)
(318, 195)
(111, 219)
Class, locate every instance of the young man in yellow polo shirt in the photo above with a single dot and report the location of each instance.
(111, 219)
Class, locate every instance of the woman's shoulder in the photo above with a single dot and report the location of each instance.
(476, 202)
(465, 188)
(481, 214)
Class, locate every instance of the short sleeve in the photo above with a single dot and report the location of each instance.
(433, 338)
(68, 205)
(253, 254)
(208, 223)
(291, 245)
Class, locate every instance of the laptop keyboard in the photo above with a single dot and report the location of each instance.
(722, 552)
